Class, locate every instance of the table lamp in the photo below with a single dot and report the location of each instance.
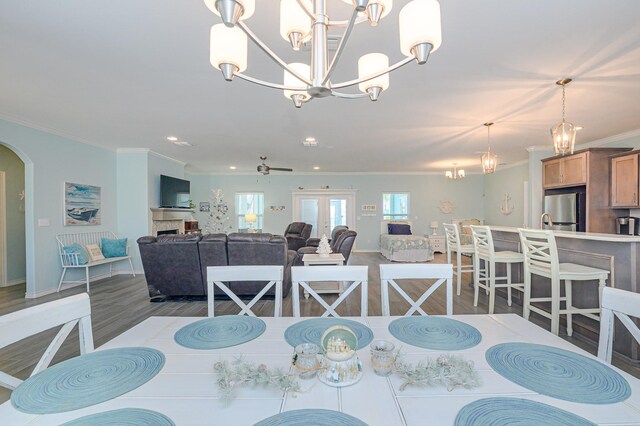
(434, 227)
(250, 219)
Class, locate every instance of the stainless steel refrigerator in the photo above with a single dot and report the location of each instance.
(566, 211)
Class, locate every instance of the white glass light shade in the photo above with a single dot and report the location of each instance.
(489, 162)
(290, 80)
(387, 5)
(293, 19)
(370, 64)
(449, 174)
(564, 137)
(461, 173)
(250, 218)
(248, 5)
(228, 46)
(420, 23)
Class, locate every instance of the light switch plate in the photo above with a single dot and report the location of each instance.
(43, 222)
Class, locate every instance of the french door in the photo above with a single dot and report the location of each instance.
(324, 210)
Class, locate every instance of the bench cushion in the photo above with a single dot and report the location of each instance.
(114, 248)
(80, 251)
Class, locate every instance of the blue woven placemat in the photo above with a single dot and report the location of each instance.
(516, 412)
(435, 333)
(310, 331)
(220, 332)
(123, 417)
(558, 373)
(87, 380)
(311, 417)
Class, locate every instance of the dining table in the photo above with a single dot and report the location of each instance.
(523, 369)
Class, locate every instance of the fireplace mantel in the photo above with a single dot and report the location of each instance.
(163, 219)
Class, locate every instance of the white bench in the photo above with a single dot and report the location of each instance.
(70, 260)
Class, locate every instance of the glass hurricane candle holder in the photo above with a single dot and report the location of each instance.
(382, 357)
(305, 360)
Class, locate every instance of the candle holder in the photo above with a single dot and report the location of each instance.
(382, 357)
(305, 360)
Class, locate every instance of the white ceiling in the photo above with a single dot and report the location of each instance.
(126, 74)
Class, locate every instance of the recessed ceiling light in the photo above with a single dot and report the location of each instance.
(172, 139)
(182, 143)
(579, 127)
(310, 141)
(232, 167)
(316, 168)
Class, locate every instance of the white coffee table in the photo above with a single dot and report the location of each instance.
(337, 259)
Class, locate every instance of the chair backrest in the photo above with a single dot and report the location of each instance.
(452, 236)
(27, 322)
(482, 241)
(298, 229)
(540, 252)
(83, 238)
(220, 276)
(303, 275)
(337, 231)
(443, 273)
(344, 243)
(622, 304)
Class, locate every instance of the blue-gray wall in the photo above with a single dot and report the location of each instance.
(13, 168)
(505, 181)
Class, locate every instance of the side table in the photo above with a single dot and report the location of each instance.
(437, 243)
(336, 259)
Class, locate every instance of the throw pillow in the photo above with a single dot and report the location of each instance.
(82, 257)
(114, 248)
(399, 229)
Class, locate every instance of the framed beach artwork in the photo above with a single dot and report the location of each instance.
(81, 204)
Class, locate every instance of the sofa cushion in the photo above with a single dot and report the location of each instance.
(114, 248)
(75, 248)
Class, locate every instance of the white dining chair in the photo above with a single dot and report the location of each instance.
(271, 274)
(485, 277)
(623, 305)
(442, 273)
(67, 312)
(453, 245)
(352, 276)
(541, 258)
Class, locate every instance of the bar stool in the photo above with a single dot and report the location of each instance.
(453, 244)
(485, 278)
(541, 258)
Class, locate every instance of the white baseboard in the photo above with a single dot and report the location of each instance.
(71, 285)
(366, 251)
(15, 282)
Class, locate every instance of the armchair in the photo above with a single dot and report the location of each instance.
(297, 234)
(315, 242)
(342, 243)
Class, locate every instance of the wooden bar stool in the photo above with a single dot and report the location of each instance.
(486, 278)
(541, 258)
(454, 245)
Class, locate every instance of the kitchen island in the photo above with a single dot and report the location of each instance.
(617, 254)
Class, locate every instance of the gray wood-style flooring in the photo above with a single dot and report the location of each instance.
(121, 302)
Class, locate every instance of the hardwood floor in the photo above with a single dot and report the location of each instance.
(121, 302)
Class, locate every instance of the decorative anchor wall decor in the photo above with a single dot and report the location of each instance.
(506, 208)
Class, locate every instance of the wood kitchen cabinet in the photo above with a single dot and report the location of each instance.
(624, 180)
(565, 171)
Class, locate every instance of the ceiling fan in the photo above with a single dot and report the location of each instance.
(264, 169)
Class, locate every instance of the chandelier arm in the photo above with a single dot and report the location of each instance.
(307, 11)
(265, 83)
(272, 54)
(344, 23)
(393, 67)
(343, 43)
(349, 95)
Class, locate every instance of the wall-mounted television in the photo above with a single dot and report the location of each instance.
(174, 192)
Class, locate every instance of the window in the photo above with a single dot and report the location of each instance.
(250, 203)
(395, 205)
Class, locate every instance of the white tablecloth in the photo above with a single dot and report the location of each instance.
(186, 392)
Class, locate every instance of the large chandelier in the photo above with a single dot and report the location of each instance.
(304, 21)
(563, 134)
(489, 160)
(455, 173)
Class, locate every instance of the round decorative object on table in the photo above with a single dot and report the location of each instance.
(436, 333)
(316, 417)
(382, 357)
(220, 332)
(123, 417)
(305, 360)
(558, 373)
(310, 331)
(87, 380)
(515, 411)
(340, 364)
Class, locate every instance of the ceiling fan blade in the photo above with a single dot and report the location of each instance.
(280, 169)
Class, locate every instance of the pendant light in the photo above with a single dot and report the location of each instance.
(563, 134)
(455, 173)
(489, 160)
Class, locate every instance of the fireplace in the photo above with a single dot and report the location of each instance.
(168, 232)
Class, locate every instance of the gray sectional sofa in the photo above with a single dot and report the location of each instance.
(176, 265)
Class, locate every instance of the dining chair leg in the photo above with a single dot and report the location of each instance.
(555, 306)
(569, 306)
(508, 266)
(492, 286)
(526, 299)
(602, 282)
(476, 281)
(87, 277)
(459, 268)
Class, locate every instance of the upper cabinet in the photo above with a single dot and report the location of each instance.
(624, 180)
(565, 171)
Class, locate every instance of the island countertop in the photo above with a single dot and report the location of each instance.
(614, 238)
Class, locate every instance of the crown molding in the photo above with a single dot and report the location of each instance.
(165, 157)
